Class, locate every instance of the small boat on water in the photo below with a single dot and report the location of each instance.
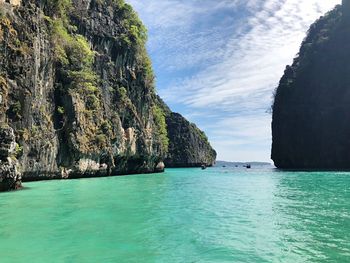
(248, 166)
(203, 167)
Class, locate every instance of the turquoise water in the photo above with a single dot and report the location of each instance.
(183, 215)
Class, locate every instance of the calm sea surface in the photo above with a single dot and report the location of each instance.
(183, 215)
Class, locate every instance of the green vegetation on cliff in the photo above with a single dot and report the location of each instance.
(77, 87)
(159, 118)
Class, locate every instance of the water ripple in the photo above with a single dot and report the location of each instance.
(184, 215)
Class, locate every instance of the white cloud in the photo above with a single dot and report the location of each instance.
(226, 57)
(255, 60)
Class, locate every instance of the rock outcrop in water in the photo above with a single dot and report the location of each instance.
(188, 145)
(77, 88)
(311, 113)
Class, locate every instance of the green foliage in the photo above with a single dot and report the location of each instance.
(75, 58)
(125, 41)
(58, 8)
(60, 110)
(101, 140)
(92, 102)
(61, 40)
(18, 151)
(118, 3)
(71, 51)
(122, 94)
(79, 53)
(148, 70)
(84, 80)
(137, 31)
(135, 39)
(159, 119)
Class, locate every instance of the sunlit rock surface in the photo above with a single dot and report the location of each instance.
(77, 88)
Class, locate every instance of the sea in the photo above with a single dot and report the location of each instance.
(221, 214)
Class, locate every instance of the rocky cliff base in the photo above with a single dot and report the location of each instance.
(10, 178)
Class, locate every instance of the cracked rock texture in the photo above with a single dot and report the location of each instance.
(10, 178)
(77, 89)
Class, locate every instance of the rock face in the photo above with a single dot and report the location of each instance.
(10, 178)
(12, 2)
(311, 113)
(188, 145)
(77, 88)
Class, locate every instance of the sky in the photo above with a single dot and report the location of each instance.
(218, 62)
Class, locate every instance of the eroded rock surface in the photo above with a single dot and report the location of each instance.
(188, 145)
(77, 87)
(10, 178)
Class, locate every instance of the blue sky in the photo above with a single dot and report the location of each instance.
(217, 62)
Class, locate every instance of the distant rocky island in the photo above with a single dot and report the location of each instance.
(310, 127)
(77, 96)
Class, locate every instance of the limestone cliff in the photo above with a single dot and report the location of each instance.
(311, 113)
(76, 92)
(188, 145)
(10, 178)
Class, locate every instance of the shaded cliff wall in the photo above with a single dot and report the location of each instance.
(311, 115)
(188, 145)
(346, 5)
